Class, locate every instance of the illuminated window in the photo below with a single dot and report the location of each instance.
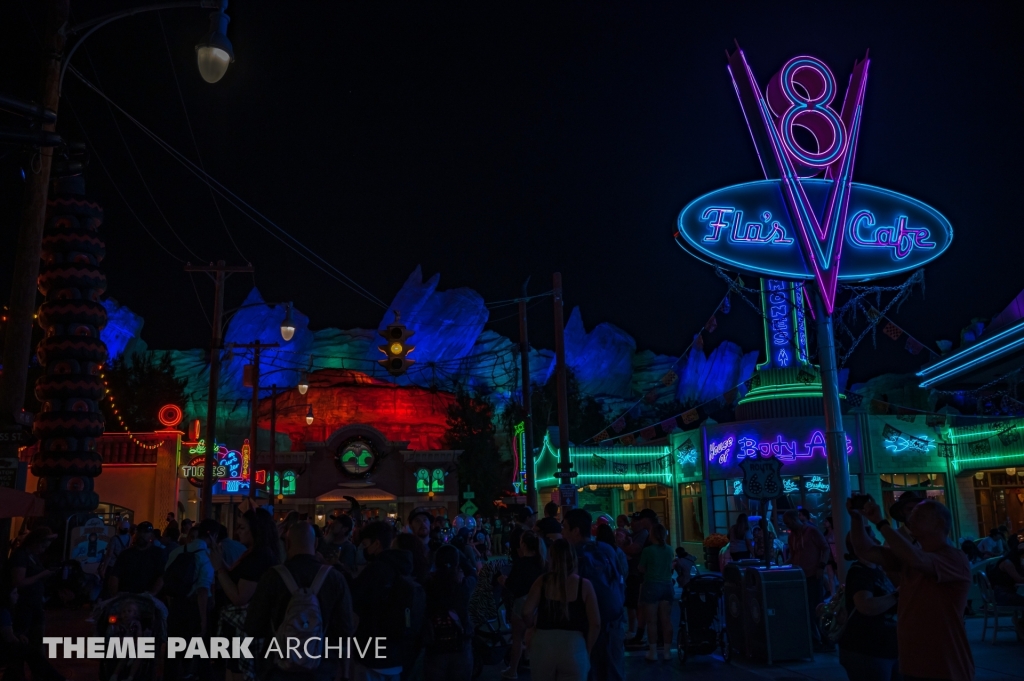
(288, 487)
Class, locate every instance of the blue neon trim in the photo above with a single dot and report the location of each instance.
(970, 349)
(956, 370)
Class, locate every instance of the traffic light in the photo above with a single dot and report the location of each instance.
(396, 348)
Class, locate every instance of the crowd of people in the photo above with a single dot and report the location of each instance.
(566, 587)
(574, 592)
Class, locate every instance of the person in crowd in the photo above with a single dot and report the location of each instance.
(420, 557)
(935, 579)
(140, 567)
(641, 525)
(28, 576)
(497, 530)
(16, 649)
(806, 516)
(809, 552)
(186, 529)
(900, 511)
(970, 550)
(1006, 574)
(449, 650)
(121, 541)
(171, 523)
(657, 593)
(525, 571)
(683, 566)
(741, 539)
(548, 527)
(622, 522)
(831, 576)
(607, 536)
(420, 522)
(371, 590)
(188, 587)
(270, 599)
(868, 649)
(598, 563)
(525, 519)
(563, 607)
(337, 547)
(483, 603)
(170, 541)
(993, 545)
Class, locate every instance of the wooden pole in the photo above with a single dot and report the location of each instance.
(564, 463)
(524, 356)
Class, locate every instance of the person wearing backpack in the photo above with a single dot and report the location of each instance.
(867, 645)
(448, 633)
(301, 599)
(188, 583)
(389, 604)
(598, 563)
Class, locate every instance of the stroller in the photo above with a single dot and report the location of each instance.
(700, 621)
(131, 616)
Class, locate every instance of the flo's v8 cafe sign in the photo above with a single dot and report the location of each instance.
(809, 215)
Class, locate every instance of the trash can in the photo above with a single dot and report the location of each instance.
(732, 593)
(776, 625)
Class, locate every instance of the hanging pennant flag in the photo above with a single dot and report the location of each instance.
(690, 416)
(619, 424)
(598, 462)
(755, 380)
(1009, 436)
(669, 378)
(602, 436)
(879, 407)
(649, 433)
(668, 425)
(726, 306)
(643, 468)
(935, 420)
(739, 282)
(698, 342)
(873, 314)
(805, 377)
(891, 434)
(854, 400)
(904, 414)
(664, 463)
(730, 396)
(892, 331)
(982, 447)
(627, 440)
(711, 325)
(619, 468)
(945, 450)
(913, 347)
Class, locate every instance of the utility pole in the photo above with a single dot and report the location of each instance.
(273, 445)
(565, 473)
(22, 307)
(835, 437)
(219, 273)
(524, 355)
(255, 346)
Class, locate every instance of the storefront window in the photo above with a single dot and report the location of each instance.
(691, 501)
(999, 498)
(655, 497)
(799, 491)
(932, 485)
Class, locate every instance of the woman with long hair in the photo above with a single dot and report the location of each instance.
(741, 539)
(525, 571)
(255, 529)
(449, 651)
(606, 535)
(657, 592)
(563, 607)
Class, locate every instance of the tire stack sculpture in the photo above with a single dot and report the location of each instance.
(71, 354)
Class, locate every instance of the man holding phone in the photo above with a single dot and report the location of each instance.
(935, 578)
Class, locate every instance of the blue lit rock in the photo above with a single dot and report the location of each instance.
(704, 377)
(602, 360)
(123, 330)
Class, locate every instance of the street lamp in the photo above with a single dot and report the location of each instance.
(214, 53)
(288, 325)
(309, 416)
(303, 384)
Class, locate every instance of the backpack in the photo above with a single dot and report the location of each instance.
(445, 633)
(302, 621)
(403, 613)
(180, 574)
(832, 615)
(602, 569)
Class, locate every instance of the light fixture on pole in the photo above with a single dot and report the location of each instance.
(979, 475)
(214, 53)
(303, 384)
(1011, 472)
(288, 325)
(309, 416)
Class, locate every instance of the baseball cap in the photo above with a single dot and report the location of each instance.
(646, 514)
(907, 500)
(418, 511)
(144, 527)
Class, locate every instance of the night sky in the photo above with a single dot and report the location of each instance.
(495, 141)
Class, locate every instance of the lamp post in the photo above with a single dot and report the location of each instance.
(21, 309)
(273, 435)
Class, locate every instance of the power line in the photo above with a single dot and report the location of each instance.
(195, 145)
(238, 203)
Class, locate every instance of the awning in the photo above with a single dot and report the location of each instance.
(15, 504)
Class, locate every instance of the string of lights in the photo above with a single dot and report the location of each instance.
(117, 413)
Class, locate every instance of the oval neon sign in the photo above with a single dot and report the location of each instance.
(748, 227)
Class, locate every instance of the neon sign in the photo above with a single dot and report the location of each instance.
(782, 449)
(784, 327)
(519, 458)
(816, 484)
(789, 487)
(800, 223)
(737, 488)
(429, 481)
(901, 442)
